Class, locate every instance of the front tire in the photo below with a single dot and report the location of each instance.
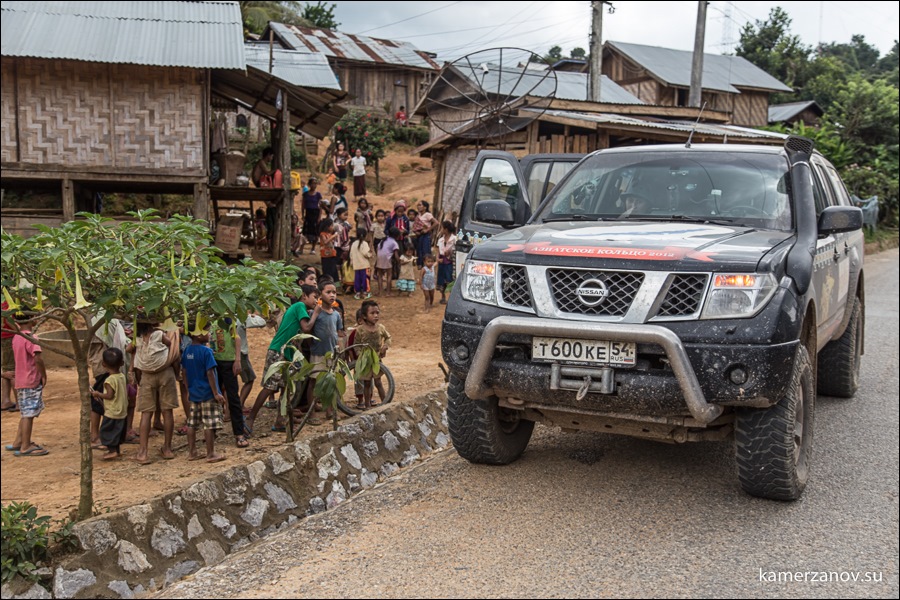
(838, 373)
(773, 445)
(482, 431)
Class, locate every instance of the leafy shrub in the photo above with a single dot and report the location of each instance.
(24, 540)
(414, 136)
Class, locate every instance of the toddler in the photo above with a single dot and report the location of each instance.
(115, 403)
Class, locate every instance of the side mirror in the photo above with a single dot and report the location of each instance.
(838, 219)
(495, 212)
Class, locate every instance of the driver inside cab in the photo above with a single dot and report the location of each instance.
(634, 204)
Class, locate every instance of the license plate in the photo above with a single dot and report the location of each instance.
(593, 352)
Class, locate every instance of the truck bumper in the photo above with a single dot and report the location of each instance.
(495, 360)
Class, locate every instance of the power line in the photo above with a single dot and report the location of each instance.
(428, 12)
(418, 35)
(517, 34)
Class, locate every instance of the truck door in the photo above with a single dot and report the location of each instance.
(831, 265)
(543, 172)
(494, 176)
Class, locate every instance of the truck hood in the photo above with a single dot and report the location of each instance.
(633, 245)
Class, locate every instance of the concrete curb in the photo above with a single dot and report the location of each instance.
(149, 546)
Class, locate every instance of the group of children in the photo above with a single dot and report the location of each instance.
(319, 313)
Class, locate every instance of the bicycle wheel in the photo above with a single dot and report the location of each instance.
(347, 404)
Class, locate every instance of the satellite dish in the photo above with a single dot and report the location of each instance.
(490, 93)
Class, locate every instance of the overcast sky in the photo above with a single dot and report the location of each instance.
(453, 28)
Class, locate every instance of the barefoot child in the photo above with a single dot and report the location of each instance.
(407, 281)
(115, 403)
(374, 335)
(427, 276)
(155, 356)
(327, 327)
(30, 379)
(360, 253)
(295, 320)
(203, 391)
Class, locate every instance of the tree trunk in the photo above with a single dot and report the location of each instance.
(377, 178)
(86, 497)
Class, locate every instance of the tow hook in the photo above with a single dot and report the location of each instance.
(583, 390)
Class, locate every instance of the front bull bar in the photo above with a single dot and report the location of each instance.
(700, 409)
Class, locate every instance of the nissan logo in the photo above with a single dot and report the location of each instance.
(592, 292)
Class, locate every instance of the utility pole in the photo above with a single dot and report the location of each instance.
(697, 62)
(596, 48)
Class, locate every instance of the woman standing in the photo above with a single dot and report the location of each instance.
(340, 160)
(312, 200)
(422, 228)
(358, 162)
(446, 247)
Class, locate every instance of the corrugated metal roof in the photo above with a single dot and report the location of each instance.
(315, 111)
(720, 73)
(785, 112)
(305, 69)
(517, 81)
(679, 126)
(172, 34)
(353, 47)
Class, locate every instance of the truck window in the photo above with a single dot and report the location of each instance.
(544, 176)
(497, 181)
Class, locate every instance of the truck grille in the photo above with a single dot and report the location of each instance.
(684, 296)
(621, 285)
(514, 286)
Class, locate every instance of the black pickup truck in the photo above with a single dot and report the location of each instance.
(675, 293)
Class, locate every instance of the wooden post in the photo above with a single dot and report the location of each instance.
(68, 200)
(282, 241)
(438, 165)
(201, 201)
(533, 147)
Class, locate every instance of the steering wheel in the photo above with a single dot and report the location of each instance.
(745, 210)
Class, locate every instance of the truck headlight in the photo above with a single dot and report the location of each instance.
(738, 295)
(480, 281)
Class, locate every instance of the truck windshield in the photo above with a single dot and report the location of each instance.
(744, 188)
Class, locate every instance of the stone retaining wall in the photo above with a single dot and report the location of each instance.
(151, 545)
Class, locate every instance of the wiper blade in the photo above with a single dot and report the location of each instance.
(689, 219)
(571, 218)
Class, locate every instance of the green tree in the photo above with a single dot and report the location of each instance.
(320, 15)
(858, 55)
(87, 272)
(578, 53)
(867, 113)
(256, 15)
(770, 46)
(553, 54)
(366, 132)
(889, 65)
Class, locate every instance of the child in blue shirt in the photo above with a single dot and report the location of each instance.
(327, 327)
(199, 368)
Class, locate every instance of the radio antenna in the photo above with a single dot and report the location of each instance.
(694, 128)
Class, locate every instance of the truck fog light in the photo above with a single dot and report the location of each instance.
(462, 353)
(738, 376)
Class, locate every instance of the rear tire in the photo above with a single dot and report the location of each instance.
(482, 431)
(838, 373)
(773, 445)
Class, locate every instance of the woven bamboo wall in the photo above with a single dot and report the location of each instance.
(81, 114)
(8, 111)
(158, 116)
(456, 174)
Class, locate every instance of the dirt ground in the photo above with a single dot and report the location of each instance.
(51, 482)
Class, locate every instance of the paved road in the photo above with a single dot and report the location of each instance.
(593, 515)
